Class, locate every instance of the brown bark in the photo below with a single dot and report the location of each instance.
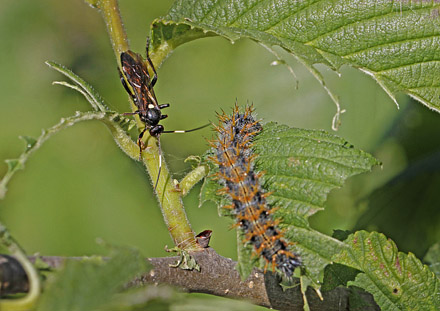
(218, 276)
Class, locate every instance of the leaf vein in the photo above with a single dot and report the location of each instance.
(407, 65)
(330, 184)
(207, 13)
(299, 136)
(357, 21)
(257, 3)
(309, 204)
(391, 43)
(271, 26)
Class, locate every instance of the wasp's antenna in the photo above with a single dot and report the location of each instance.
(160, 163)
(138, 83)
(187, 131)
(160, 149)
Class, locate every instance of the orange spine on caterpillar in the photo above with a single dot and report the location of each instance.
(235, 159)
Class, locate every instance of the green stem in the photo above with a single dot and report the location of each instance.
(109, 10)
(170, 198)
(112, 17)
(193, 178)
(29, 301)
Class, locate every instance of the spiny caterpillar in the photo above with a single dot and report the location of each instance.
(242, 185)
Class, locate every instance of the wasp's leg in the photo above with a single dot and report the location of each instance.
(154, 79)
(131, 113)
(124, 83)
(141, 143)
(160, 163)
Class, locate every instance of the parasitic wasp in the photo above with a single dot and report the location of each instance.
(140, 86)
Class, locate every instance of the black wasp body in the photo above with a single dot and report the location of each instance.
(140, 88)
(139, 85)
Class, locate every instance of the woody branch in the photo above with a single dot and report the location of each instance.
(219, 277)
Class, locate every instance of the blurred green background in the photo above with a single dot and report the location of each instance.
(79, 186)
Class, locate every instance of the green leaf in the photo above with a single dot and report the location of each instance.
(90, 283)
(314, 248)
(300, 168)
(93, 3)
(304, 284)
(81, 86)
(432, 258)
(358, 302)
(210, 185)
(246, 261)
(397, 281)
(396, 42)
(13, 164)
(185, 261)
(30, 142)
(337, 275)
(341, 235)
(124, 123)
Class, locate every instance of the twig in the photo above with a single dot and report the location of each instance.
(219, 277)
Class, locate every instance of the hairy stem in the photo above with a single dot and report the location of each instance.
(169, 197)
(110, 12)
(193, 178)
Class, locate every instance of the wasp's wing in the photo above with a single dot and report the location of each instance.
(135, 70)
(137, 75)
